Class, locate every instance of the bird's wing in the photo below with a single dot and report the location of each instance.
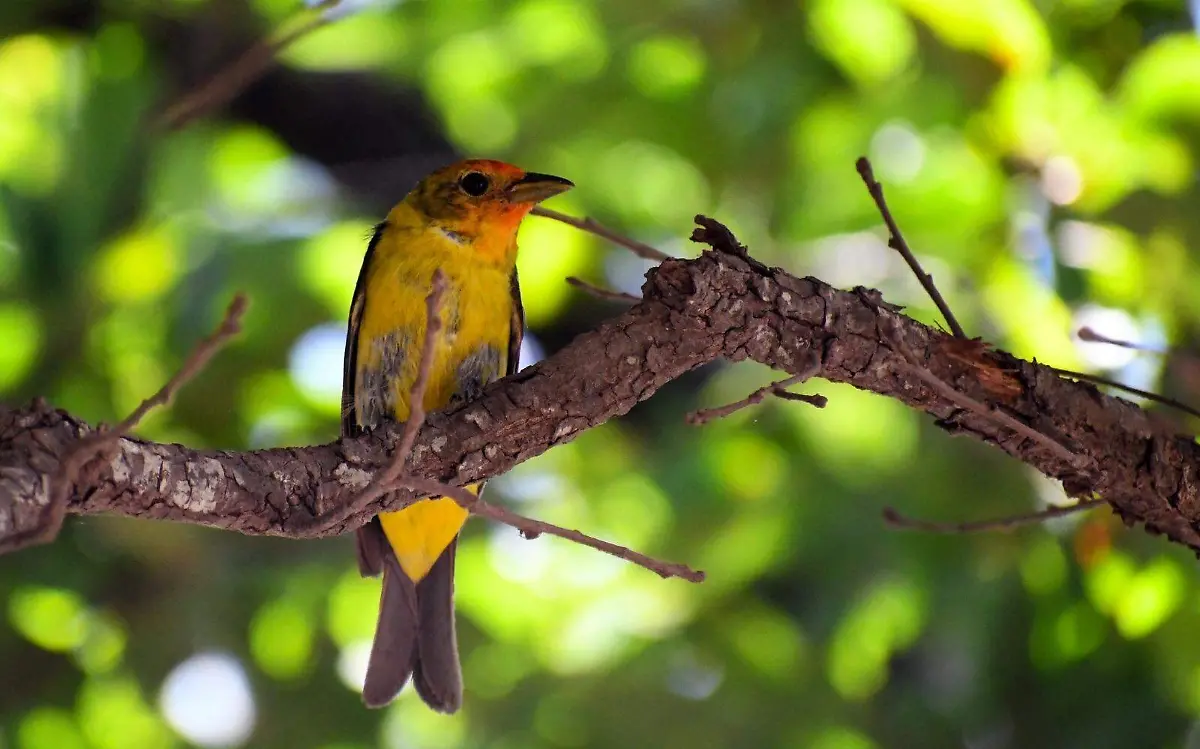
(350, 424)
(371, 544)
(516, 327)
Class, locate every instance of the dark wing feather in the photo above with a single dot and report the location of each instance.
(370, 542)
(516, 327)
(350, 425)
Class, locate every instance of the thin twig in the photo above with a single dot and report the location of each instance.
(600, 292)
(1098, 380)
(896, 242)
(231, 325)
(531, 528)
(1009, 523)
(93, 445)
(387, 478)
(777, 389)
(816, 400)
(238, 75)
(593, 227)
(1088, 334)
(909, 360)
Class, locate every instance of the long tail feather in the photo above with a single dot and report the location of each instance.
(438, 674)
(394, 651)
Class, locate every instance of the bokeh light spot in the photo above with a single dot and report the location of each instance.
(208, 700)
(48, 728)
(21, 332)
(666, 67)
(51, 618)
(315, 364)
(281, 638)
(138, 266)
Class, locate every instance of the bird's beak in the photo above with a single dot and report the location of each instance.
(534, 187)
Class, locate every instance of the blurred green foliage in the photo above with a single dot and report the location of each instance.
(1039, 155)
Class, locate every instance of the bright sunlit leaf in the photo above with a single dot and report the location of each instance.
(103, 646)
(1044, 567)
(563, 35)
(550, 251)
(1010, 32)
(358, 41)
(353, 608)
(1153, 595)
(667, 67)
(114, 714)
(49, 728)
(1162, 81)
(410, 723)
(859, 435)
(769, 641)
(329, 263)
(21, 332)
(869, 40)
(51, 618)
(886, 620)
(840, 737)
(281, 638)
(139, 266)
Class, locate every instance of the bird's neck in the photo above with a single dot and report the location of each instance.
(490, 240)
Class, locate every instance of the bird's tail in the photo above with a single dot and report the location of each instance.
(415, 635)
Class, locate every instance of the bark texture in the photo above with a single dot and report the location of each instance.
(722, 304)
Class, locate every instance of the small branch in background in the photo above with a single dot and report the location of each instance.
(531, 528)
(224, 87)
(640, 249)
(230, 326)
(90, 447)
(816, 400)
(893, 518)
(394, 472)
(1091, 336)
(777, 389)
(1098, 380)
(896, 242)
(601, 293)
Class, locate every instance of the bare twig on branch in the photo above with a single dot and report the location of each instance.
(1088, 334)
(601, 293)
(897, 242)
(93, 445)
(224, 87)
(1155, 397)
(531, 528)
(776, 389)
(914, 365)
(394, 471)
(894, 518)
(641, 249)
(230, 326)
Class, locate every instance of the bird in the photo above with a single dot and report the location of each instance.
(462, 219)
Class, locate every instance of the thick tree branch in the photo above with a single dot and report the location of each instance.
(721, 304)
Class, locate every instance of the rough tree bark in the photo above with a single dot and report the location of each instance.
(722, 304)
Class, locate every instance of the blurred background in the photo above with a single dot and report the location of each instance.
(1039, 154)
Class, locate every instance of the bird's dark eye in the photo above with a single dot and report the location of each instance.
(474, 183)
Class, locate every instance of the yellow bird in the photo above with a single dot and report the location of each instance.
(463, 219)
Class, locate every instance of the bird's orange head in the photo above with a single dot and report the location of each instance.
(480, 202)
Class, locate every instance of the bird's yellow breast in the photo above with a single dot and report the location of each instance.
(475, 313)
(471, 351)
